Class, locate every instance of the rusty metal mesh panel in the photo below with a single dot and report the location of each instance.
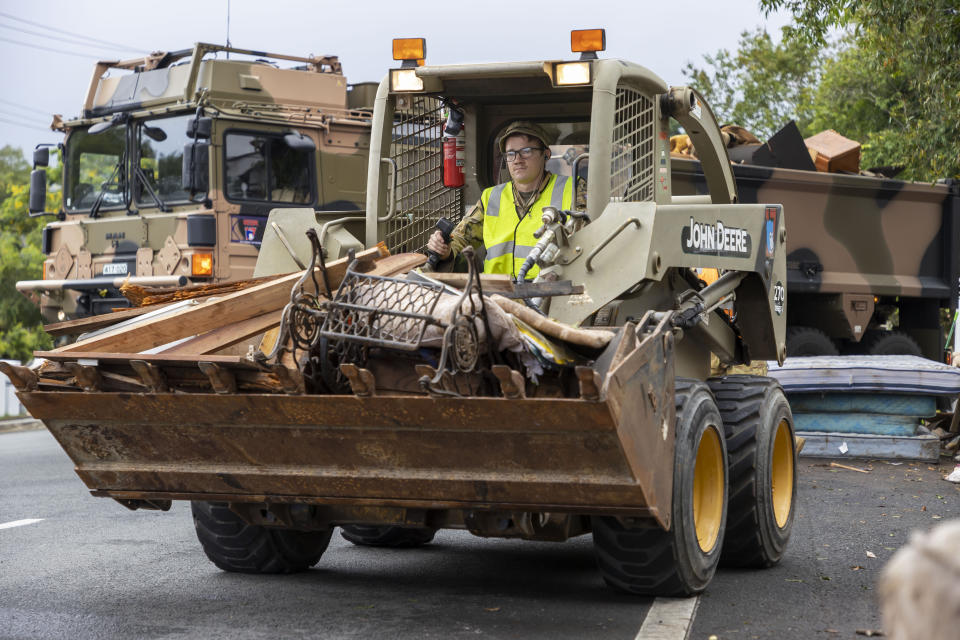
(417, 149)
(632, 168)
(380, 311)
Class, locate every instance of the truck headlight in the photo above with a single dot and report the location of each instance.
(201, 264)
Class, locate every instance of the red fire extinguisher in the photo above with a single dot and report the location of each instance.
(454, 150)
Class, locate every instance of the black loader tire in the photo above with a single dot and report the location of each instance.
(763, 469)
(890, 343)
(387, 536)
(233, 545)
(807, 341)
(647, 560)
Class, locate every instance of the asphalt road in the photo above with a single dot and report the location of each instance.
(91, 569)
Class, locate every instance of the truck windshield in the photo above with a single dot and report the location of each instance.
(160, 144)
(261, 167)
(90, 163)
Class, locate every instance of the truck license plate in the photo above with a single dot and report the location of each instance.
(115, 269)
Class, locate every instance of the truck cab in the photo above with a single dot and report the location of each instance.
(176, 161)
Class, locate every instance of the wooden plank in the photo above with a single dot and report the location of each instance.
(226, 336)
(237, 306)
(92, 323)
(175, 360)
(491, 283)
(144, 296)
(543, 289)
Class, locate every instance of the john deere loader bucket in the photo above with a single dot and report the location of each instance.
(608, 451)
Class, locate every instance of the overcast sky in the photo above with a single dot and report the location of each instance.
(49, 47)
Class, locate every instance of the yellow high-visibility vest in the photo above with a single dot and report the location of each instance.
(507, 238)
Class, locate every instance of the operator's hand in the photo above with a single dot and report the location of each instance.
(438, 246)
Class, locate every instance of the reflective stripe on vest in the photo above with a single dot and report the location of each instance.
(507, 238)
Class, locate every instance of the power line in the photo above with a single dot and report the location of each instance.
(88, 56)
(69, 33)
(58, 38)
(25, 107)
(20, 115)
(27, 126)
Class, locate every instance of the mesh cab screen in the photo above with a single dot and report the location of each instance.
(631, 171)
(417, 149)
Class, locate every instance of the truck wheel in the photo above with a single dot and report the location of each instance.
(647, 560)
(758, 425)
(234, 545)
(807, 341)
(390, 536)
(890, 343)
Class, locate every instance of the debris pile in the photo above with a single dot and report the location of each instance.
(185, 340)
(870, 406)
(827, 151)
(359, 325)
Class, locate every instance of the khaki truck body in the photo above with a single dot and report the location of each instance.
(268, 138)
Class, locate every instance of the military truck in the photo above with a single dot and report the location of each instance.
(871, 261)
(178, 158)
(373, 410)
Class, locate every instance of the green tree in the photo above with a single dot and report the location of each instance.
(21, 328)
(895, 85)
(762, 85)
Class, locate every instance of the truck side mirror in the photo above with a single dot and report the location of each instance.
(299, 142)
(41, 157)
(199, 127)
(38, 188)
(196, 167)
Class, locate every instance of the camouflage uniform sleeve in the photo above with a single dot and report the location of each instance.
(468, 232)
(581, 203)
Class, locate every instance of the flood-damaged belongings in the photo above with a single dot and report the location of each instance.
(785, 149)
(866, 406)
(177, 346)
(827, 151)
(831, 152)
(407, 334)
(416, 335)
(733, 136)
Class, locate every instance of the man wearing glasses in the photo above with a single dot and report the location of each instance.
(507, 215)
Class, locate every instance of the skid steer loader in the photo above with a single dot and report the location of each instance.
(582, 402)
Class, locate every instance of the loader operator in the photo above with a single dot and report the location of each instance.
(505, 218)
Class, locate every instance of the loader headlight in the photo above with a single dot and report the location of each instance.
(405, 80)
(571, 73)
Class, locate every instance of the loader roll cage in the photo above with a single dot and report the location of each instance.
(622, 97)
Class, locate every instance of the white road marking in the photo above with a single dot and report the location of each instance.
(669, 619)
(19, 523)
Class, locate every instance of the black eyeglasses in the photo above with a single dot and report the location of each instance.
(524, 153)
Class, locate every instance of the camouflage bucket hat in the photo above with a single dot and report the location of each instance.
(526, 128)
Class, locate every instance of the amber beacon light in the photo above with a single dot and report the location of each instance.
(587, 42)
(408, 49)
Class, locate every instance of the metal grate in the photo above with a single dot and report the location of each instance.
(380, 311)
(631, 172)
(417, 149)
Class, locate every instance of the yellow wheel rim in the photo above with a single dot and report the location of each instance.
(708, 476)
(781, 473)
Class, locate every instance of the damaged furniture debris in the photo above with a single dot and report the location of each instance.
(867, 406)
